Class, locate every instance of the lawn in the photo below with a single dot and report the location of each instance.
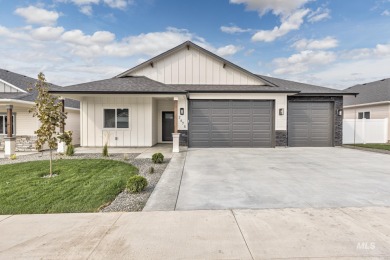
(375, 146)
(82, 185)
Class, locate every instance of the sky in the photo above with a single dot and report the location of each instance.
(333, 43)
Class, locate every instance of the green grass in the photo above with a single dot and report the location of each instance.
(81, 185)
(375, 146)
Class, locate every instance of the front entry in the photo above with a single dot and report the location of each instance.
(167, 126)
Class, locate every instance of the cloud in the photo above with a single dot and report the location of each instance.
(86, 9)
(233, 29)
(119, 4)
(96, 56)
(319, 15)
(303, 61)
(311, 44)
(386, 13)
(47, 33)
(36, 15)
(289, 23)
(228, 50)
(277, 7)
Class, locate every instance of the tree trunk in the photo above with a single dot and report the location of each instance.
(51, 168)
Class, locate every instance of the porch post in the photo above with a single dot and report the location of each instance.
(10, 140)
(175, 134)
(61, 146)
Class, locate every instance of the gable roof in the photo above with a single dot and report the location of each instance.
(189, 44)
(129, 85)
(23, 82)
(377, 91)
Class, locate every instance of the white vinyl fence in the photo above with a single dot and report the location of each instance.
(362, 131)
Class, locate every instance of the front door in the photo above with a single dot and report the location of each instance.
(167, 126)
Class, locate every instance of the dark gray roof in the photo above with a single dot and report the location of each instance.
(303, 88)
(376, 91)
(230, 88)
(130, 85)
(24, 82)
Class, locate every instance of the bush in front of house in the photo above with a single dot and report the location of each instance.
(70, 150)
(136, 184)
(158, 158)
(105, 150)
(13, 157)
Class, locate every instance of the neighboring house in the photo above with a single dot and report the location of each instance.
(210, 101)
(373, 102)
(14, 91)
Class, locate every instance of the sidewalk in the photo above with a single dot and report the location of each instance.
(238, 234)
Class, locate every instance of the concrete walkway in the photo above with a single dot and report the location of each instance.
(240, 234)
(164, 196)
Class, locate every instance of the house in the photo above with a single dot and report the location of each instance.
(209, 101)
(14, 92)
(373, 102)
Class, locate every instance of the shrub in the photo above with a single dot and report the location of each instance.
(151, 170)
(105, 150)
(66, 137)
(158, 158)
(13, 157)
(136, 183)
(70, 150)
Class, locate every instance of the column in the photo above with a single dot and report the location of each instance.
(175, 134)
(10, 140)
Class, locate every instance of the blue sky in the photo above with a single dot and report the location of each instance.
(331, 43)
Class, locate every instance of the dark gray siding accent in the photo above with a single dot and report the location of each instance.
(337, 120)
(231, 123)
(281, 138)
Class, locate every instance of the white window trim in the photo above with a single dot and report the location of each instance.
(14, 124)
(115, 128)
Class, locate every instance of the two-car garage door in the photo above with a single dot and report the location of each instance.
(231, 123)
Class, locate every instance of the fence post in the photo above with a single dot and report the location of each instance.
(364, 130)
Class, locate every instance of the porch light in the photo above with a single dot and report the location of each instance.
(181, 111)
(339, 112)
(281, 111)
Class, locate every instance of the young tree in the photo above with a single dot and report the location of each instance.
(48, 110)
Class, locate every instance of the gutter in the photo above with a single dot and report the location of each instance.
(118, 92)
(368, 104)
(22, 102)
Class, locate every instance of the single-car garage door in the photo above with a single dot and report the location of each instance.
(310, 124)
(231, 123)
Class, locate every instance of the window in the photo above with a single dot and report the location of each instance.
(365, 115)
(3, 124)
(116, 118)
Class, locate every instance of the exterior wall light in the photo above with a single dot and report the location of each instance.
(281, 111)
(182, 111)
(339, 112)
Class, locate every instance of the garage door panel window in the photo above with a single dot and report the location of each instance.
(364, 115)
(116, 118)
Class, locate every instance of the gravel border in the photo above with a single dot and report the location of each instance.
(125, 201)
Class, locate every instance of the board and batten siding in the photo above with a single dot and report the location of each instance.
(194, 66)
(139, 133)
(6, 88)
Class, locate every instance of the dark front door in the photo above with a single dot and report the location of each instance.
(167, 126)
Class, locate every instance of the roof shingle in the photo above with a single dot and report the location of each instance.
(376, 91)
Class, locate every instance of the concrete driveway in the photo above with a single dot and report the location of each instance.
(284, 178)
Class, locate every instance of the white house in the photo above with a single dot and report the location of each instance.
(210, 101)
(14, 94)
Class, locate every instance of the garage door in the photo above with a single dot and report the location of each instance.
(310, 124)
(231, 123)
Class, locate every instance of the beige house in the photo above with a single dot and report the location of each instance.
(14, 92)
(209, 101)
(373, 102)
